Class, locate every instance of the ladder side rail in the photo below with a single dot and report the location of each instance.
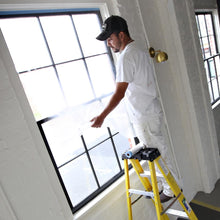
(127, 185)
(174, 187)
(158, 205)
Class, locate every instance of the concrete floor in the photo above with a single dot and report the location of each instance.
(211, 200)
(207, 206)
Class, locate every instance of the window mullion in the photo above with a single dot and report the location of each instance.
(207, 33)
(84, 60)
(90, 161)
(114, 148)
(52, 60)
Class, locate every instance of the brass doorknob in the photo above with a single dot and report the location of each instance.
(159, 55)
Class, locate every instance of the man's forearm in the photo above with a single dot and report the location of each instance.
(114, 101)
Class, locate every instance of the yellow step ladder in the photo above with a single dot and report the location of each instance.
(152, 155)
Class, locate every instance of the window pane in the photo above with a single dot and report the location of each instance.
(101, 74)
(210, 91)
(215, 88)
(43, 92)
(206, 47)
(212, 45)
(203, 30)
(88, 28)
(104, 161)
(25, 42)
(75, 82)
(122, 144)
(78, 179)
(95, 136)
(61, 38)
(197, 22)
(207, 71)
(63, 138)
(217, 63)
(212, 68)
(209, 24)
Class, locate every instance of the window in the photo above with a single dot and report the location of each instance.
(68, 76)
(210, 53)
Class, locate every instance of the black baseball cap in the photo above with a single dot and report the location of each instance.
(111, 25)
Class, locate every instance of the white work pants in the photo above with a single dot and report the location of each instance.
(149, 133)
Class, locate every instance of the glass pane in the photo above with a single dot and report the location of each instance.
(101, 74)
(43, 92)
(209, 24)
(202, 24)
(78, 179)
(25, 42)
(215, 88)
(201, 44)
(217, 63)
(104, 161)
(94, 136)
(63, 138)
(75, 82)
(88, 28)
(61, 38)
(197, 22)
(212, 68)
(207, 71)
(210, 91)
(206, 47)
(121, 144)
(212, 45)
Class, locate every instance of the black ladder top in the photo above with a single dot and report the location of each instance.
(144, 154)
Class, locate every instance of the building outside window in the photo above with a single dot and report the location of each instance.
(210, 52)
(68, 76)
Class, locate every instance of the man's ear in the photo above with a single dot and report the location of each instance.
(121, 35)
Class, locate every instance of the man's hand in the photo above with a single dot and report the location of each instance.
(97, 121)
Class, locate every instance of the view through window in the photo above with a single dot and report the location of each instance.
(211, 55)
(68, 76)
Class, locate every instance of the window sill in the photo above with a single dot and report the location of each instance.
(120, 183)
(216, 105)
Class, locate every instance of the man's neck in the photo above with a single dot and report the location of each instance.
(125, 43)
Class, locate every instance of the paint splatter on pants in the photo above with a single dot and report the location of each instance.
(150, 133)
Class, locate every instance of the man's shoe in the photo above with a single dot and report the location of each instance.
(164, 198)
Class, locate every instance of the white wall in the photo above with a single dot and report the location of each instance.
(216, 112)
(28, 184)
(205, 4)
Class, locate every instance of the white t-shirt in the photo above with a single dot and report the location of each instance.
(141, 95)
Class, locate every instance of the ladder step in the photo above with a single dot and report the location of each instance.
(147, 174)
(178, 213)
(141, 192)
